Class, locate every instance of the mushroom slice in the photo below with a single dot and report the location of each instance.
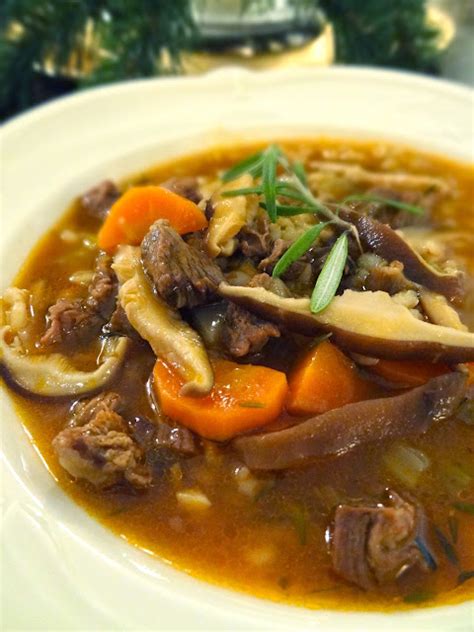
(230, 215)
(342, 429)
(356, 173)
(162, 327)
(387, 243)
(371, 323)
(53, 375)
(439, 311)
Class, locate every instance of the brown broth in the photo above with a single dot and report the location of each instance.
(273, 545)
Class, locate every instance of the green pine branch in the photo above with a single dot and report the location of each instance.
(143, 38)
(391, 33)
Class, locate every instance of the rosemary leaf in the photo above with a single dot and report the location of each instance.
(286, 189)
(297, 249)
(300, 173)
(251, 165)
(330, 276)
(411, 208)
(244, 191)
(269, 167)
(288, 210)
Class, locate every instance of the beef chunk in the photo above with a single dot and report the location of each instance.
(388, 278)
(86, 409)
(79, 320)
(158, 435)
(255, 240)
(184, 276)
(186, 186)
(245, 333)
(98, 200)
(279, 248)
(102, 452)
(373, 546)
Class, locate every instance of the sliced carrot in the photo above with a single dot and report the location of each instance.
(325, 379)
(407, 373)
(244, 396)
(135, 211)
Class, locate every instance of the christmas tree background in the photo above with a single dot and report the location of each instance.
(39, 39)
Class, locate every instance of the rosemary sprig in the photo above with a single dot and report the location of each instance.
(411, 208)
(330, 276)
(293, 186)
(298, 248)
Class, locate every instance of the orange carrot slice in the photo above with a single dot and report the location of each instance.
(325, 379)
(244, 397)
(407, 373)
(135, 211)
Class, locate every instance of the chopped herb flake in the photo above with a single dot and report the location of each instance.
(465, 507)
(418, 596)
(251, 405)
(447, 547)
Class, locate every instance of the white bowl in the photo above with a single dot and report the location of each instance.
(62, 569)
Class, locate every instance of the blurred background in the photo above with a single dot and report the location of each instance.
(53, 47)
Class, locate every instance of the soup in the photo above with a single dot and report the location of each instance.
(256, 362)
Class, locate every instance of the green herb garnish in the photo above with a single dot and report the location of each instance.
(289, 210)
(330, 276)
(298, 249)
(299, 518)
(300, 173)
(453, 526)
(293, 185)
(418, 596)
(464, 576)
(252, 165)
(447, 547)
(465, 507)
(251, 405)
(243, 191)
(411, 208)
(269, 167)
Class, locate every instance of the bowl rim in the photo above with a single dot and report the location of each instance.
(38, 115)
